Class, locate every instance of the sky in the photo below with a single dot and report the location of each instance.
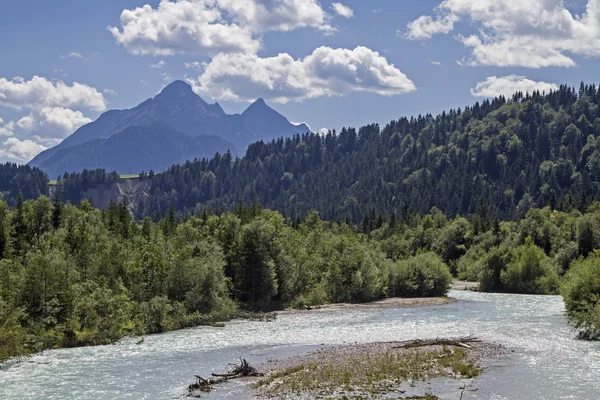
(331, 64)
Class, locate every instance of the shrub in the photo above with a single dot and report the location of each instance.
(422, 276)
(581, 292)
(530, 272)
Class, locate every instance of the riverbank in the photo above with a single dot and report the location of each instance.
(408, 369)
(465, 285)
(394, 302)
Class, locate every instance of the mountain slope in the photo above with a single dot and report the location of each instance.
(180, 108)
(135, 149)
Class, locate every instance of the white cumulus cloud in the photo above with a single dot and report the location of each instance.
(53, 112)
(54, 122)
(20, 150)
(325, 72)
(41, 92)
(62, 120)
(532, 33)
(183, 26)
(425, 26)
(212, 26)
(342, 10)
(508, 85)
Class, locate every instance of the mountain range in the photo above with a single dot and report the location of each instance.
(175, 126)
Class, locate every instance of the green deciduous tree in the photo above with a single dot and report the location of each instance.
(531, 271)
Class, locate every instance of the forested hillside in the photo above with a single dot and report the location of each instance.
(513, 155)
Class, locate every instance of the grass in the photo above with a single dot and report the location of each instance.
(54, 182)
(367, 375)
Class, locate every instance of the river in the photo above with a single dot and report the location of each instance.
(544, 359)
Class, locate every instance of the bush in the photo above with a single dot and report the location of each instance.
(355, 273)
(530, 272)
(316, 297)
(581, 292)
(422, 276)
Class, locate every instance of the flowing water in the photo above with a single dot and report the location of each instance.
(544, 359)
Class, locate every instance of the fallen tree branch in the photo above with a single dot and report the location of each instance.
(244, 369)
(462, 342)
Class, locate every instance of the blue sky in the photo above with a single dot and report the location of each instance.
(348, 64)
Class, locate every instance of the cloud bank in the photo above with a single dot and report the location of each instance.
(325, 72)
(516, 33)
(20, 151)
(210, 27)
(41, 92)
(230, 32)
(54, 112)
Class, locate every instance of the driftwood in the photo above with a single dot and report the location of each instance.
(462, 342)
(117, 340)
(309, 307)
(244, 369)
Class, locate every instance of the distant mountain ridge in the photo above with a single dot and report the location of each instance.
(156, 146)
(185, 125)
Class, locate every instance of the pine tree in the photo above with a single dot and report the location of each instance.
(147, 228)
(124, 219)
(3, 229)
(171, 222)
(57, 207)
(19, 228)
